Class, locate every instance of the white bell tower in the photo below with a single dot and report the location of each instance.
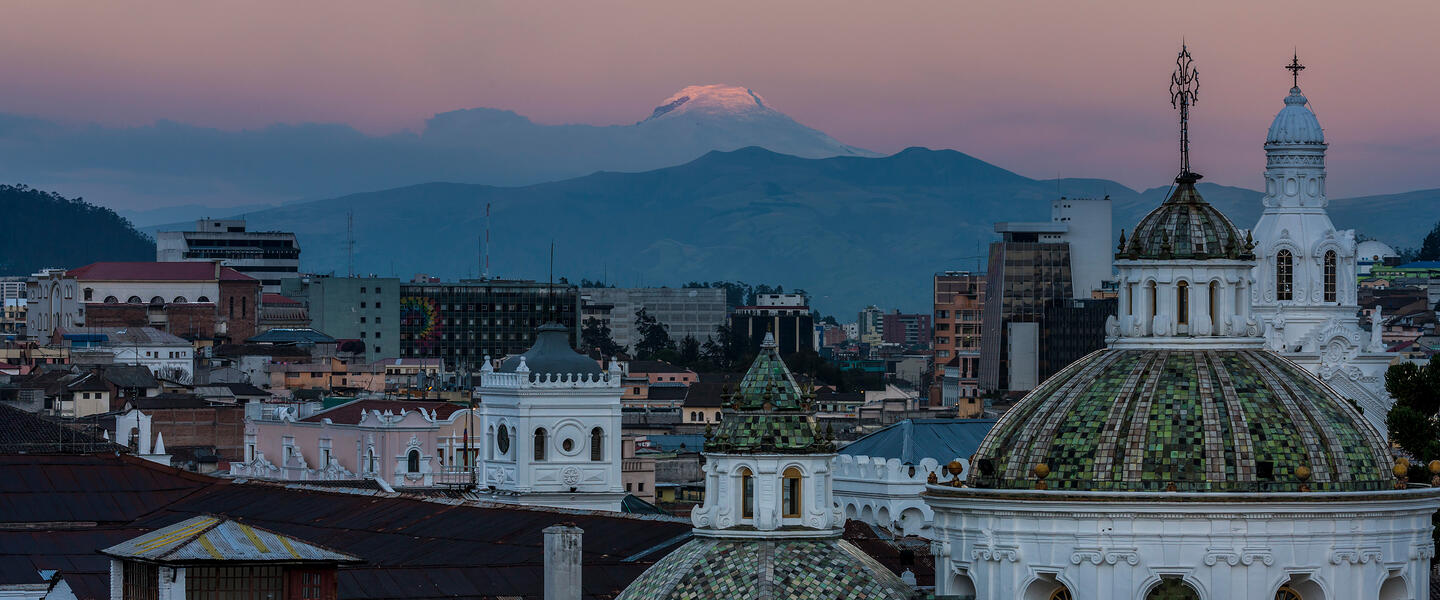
(1305, 274)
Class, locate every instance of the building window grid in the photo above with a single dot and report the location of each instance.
(234, 583)
(1330, 268)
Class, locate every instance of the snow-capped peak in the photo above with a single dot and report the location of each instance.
(717, 98)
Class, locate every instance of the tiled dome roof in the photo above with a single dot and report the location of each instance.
(1183, 420)
(1295, 124)
(769, 413)
(739, 570)
(1185, 226)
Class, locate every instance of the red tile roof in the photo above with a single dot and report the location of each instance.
(277, 299)
(156, 271)
(350, 413)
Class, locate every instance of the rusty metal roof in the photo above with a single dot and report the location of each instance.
(209, 538)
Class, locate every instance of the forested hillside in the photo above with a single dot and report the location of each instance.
(44, 229)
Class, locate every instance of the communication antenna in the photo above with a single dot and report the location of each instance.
(350, 242)
(486, 269)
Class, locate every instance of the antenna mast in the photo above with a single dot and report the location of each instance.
(1184, 91)
(350, 242)
(487, 241)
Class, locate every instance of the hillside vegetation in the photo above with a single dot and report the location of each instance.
(44, 229)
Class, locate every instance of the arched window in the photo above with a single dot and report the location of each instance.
(597, 444)
(412, 461)
(232, 307)
(243, 310)
(1172, 588)
(202, 299)
(112, 300)
(539, 444)
(790, 492)
(1061, 593)
(135, 300)
(1213, 298)
(1288, 593)
(1330, 276)
(1151, 292)
(370, 460)
(157, 300)
(1182, 303)
(180, 300)
(1284, 275)
(88, 293)
(502, 440)
(747, 494)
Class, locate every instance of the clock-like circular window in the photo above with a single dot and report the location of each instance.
(502, 440)
(568, 445)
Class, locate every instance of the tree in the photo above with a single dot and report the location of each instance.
(727, 350)
(654, 338)
(1430, 247)
(596, 336)
(1414, 421)
(689, 351)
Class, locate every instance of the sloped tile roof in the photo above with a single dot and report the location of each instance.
(211, 538)
(155, 271)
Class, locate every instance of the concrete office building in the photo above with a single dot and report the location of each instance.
(871, 322)
(270, 256)
(909, 330)
(786, 315)
(1032, 266)
(694, 312)
(352, 308)
(463, 322)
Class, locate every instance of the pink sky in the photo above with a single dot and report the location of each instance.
(1043, 88)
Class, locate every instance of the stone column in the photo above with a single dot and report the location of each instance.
(562, 562)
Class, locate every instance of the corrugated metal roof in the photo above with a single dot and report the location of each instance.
(912, 440)
(209, 538)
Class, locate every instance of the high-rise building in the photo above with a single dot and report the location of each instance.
(1033, 265)
(692, 312)
(269, 256)
(463, 322)
(786, 315)
(352, 308)
(959, 316)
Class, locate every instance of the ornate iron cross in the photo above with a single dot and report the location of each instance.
(1184, 91)
(1295, 68)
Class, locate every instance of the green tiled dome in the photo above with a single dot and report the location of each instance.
(706, 568)
(1185, 226)
(769, 413)
(1183, 420)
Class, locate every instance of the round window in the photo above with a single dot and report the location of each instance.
(568, 445)
(502, 440)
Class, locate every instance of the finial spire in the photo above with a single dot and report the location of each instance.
(1184, 91)
(1295, 68)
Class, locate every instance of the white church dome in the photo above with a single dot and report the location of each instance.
(1373, 251)
(1295, 124)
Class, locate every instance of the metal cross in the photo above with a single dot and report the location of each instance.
(1295, 68)
(1184, 91)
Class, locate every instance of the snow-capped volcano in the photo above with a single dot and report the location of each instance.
(715, 99)
(727, 117)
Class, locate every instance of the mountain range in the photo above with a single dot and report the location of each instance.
(850, 230)
(174, 164)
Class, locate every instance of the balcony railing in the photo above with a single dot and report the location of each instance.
(458, 475)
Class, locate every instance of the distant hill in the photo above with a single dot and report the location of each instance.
(48, 230)
(850, 230)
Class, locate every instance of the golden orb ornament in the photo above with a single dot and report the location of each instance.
(1042, 470)
(1302, 473)
(955, 467)
(1434, 467)
(1401, 470)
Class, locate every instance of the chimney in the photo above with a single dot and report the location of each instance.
(562, 562)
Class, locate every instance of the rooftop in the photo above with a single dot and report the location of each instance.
(349, 413)
(26, 433)
(210, 539)
(123, 336)
(912, 440)
(156, 271)
(291, 337)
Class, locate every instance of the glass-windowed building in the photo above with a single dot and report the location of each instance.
(462, 322)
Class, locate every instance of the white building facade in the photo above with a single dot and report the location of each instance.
(52, 302)
(551, 423)
(1306, 269)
